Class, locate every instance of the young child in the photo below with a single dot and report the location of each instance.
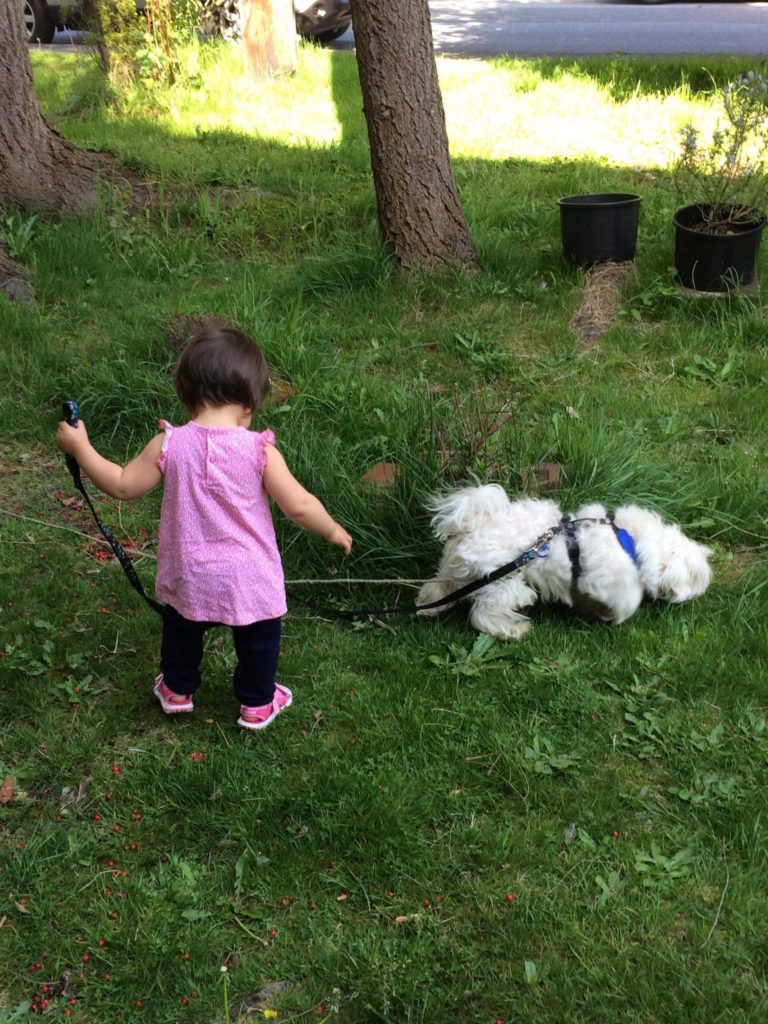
(217, 561)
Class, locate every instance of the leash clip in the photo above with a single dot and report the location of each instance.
(541, 548)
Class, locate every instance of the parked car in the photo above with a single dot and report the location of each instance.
(323, 20)
(320, 20)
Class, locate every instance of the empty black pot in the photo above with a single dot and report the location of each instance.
(710, 262)
(599, 228)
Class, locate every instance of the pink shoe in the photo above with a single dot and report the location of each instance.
(260, 717)
(163, 694)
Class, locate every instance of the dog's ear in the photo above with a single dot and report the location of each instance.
(467, 509)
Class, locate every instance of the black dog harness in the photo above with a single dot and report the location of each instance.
(569, 529)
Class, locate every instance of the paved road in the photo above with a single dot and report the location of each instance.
(483, 28)
(486, 27)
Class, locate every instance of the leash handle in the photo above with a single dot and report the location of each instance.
(70, 412)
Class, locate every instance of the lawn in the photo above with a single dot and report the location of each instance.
(568, 828)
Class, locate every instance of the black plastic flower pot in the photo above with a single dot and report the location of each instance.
(715, 262)
(599, 228)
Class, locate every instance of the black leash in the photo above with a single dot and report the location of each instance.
(71, 412)
(537, 551)
(567, 526)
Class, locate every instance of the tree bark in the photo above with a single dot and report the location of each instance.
(39, 169)
(269, 36)
(416, 195)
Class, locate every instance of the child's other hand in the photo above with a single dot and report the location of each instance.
(71, 439)
(340, 538)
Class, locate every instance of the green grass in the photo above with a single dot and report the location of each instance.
(440, 829)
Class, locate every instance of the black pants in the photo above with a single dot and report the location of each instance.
(257, 647)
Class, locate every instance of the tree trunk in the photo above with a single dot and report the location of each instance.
(269, 36)
(416, 195)
(39, 169)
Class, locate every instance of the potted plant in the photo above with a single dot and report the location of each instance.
(717, 236)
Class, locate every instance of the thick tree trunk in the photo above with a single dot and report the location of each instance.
(416, 195)
(38, 168)
(269, 36)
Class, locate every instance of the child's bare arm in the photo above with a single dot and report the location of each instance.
(131, 481)
(298, 504)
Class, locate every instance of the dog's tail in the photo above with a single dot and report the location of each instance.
(467, 509)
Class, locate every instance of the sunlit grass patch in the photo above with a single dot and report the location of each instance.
(492, 114)
(494, 111)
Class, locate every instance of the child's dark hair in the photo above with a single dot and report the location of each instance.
(221, 366)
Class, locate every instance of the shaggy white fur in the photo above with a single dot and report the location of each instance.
(482, 530)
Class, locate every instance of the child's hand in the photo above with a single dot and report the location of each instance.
(340, 538)
(71, 439)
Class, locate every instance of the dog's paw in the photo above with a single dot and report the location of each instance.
(435, 590)
(518, 629)
(499, 625)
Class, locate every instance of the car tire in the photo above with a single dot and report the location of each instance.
(38, 21)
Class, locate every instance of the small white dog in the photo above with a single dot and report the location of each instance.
(600, 565)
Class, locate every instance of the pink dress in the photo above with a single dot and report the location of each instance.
(217, 558)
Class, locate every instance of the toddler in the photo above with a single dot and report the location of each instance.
(217, 560)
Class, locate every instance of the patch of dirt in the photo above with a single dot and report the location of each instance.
(544, 477)
(604, 287)
(381, 474)
(742, 560)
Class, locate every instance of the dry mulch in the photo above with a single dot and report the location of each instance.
(604, 286)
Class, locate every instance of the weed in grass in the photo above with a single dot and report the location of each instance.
(17, 233)
(609, 888)
(542, 757)
(484, 357)
(709, 788)
(473, 661)
(660, 871)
